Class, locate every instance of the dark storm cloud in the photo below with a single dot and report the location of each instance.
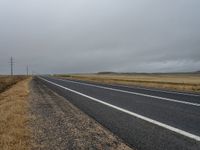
(64, 36)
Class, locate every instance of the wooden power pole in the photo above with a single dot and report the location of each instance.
(11, 66)
(27, 71)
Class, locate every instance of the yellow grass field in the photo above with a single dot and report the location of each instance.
(14, 134)
(178, 82)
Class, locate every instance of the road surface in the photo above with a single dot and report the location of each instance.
(147, 119)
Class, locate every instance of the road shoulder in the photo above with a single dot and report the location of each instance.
(57, 124)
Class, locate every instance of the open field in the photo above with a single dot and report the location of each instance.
(179, 82)
(7, 81)
(14, 133)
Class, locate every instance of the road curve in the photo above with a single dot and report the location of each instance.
(144, 118)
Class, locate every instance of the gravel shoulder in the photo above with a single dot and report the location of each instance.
(57, 124)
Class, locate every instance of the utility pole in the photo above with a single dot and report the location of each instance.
(11, 66)
(27, 70)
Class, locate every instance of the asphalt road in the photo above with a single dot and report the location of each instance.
(146, 119)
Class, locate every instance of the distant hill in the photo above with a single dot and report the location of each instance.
(107, 72)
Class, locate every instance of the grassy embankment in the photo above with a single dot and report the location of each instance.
(7, 81)
(177, 82)
(14, 134)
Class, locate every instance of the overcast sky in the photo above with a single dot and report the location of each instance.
(79, 36)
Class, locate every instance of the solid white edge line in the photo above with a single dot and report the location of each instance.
(135, 93)
(179, 131)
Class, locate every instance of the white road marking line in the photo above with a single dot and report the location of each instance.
(135, 93)
(179, 131)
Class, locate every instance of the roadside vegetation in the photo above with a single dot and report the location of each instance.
(14, 133)
(188, 82)
(8, 81)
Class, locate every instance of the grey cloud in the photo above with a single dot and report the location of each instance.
(108, 35)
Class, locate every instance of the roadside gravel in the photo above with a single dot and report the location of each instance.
(57, 124)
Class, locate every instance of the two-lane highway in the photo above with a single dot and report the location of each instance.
(144, 118)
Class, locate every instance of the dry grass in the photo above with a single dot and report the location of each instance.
(14, 134)
(179, 82)
(7, 81)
